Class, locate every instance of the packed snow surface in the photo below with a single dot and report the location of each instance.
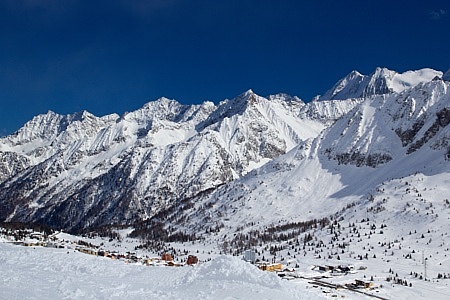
(42, 273)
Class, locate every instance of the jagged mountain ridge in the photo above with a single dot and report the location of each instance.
(394, 125)
(79, 170)
(382, 81)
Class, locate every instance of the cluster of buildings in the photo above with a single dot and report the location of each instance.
(37, 239)
(250, 256)
(338, 270)
(166, 259)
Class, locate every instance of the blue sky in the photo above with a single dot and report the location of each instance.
(112, 56)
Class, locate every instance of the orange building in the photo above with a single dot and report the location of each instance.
(166, 257)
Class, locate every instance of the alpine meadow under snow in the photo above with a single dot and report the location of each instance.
(357, 177)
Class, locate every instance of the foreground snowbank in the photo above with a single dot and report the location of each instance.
(40, 273)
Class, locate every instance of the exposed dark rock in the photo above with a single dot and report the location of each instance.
(358, 159)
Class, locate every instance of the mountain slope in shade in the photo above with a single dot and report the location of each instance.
(382, 81)
(446, 76)
(79, 170)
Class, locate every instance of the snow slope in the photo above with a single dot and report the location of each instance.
(42, 273)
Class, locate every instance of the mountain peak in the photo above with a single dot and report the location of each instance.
(79, 116)
(382, 70)
(249, 92)
(347, 87)
(284, 97)
(354, 73)
(381, 81)
(247, 95)
(162, 101)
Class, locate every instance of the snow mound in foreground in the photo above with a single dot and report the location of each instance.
(228, 277)
(232, 269)
(40, 273)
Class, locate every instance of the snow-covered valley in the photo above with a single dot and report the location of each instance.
(349, 188)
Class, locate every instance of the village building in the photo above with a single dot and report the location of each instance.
(347, 268)
(52, 245)
(166, 257)
(271, 267)
(336, 269)
(29, 244)
(154, 261)
(172, 264)
(88, 251)
(37, 235)
(324, 268)
(250, 256)
(364, 284)
(192, 260)
(34, 244)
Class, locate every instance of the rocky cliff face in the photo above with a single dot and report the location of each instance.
(391, 126)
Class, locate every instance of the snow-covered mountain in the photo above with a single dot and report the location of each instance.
(249, 160)
(384, 137)
(380, 82)
(359, 182)
(79, 170)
